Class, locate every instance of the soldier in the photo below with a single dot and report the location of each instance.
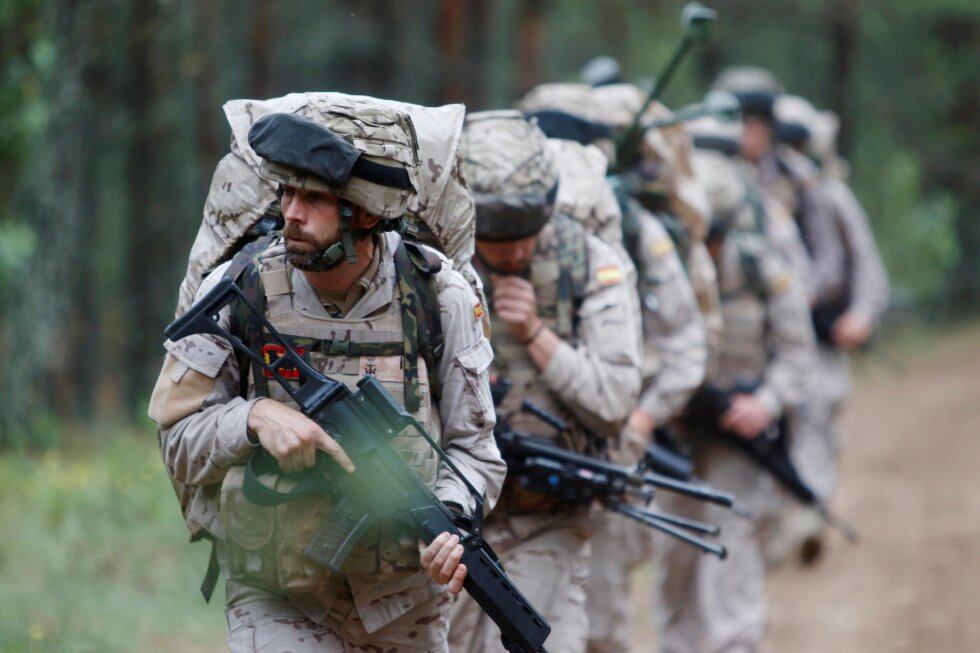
(674, 337)
(344, 291)
(784, 174)
(844, 314)
(564, 337)
(709, 605)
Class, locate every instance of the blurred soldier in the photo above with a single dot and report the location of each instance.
(784, 174)
(710, 605)
(674, 338)
(565, 337)
(336, 268)
(844, 314)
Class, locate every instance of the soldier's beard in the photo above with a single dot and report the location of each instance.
(302, 251)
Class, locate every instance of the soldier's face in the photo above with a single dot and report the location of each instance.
(508, 256)
(756, 137)
(313, 224)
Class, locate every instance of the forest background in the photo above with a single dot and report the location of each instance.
(111, 124)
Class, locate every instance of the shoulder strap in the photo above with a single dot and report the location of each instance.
(573, 272)
(244, 270)
(415, 269)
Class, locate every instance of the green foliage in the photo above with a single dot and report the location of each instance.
(95, 556)
(916, 233)
(17, 244)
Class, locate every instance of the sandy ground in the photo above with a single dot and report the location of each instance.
(911, 484)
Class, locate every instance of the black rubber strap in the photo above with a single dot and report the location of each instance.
(262, 462)
(380, 174)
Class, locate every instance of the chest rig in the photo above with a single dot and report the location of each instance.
(745, 295)
(559, 272)
(399, 344)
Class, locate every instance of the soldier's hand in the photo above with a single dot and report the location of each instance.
(851, 330)
(747, 416)
(441, 561)
(515, 303)
(291, 437)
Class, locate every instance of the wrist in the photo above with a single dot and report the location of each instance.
(530, 331)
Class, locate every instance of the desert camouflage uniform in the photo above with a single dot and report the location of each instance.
(592, 382)
(204, 444)
(382, 599)
(708, 604)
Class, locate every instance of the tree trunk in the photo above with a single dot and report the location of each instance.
(843, 24)
(451, 39)
(530, 33)
(261, 34)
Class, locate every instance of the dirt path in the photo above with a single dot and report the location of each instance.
(911, 483)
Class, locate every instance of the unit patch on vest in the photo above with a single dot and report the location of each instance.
(271, 352)
(385, 368)
(609, 275)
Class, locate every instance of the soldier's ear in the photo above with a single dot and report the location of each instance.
(363, 219)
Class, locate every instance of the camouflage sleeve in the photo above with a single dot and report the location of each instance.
(465, 407)
(196, 404)
(598, 378)
(868, 281)
(823, 242)
(672, 325)
(785, 237)
(789, 337)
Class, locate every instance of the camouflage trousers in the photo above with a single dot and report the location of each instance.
(547, 558)
(261, 621)
(618, 547)
(707, 605)
(815, 449)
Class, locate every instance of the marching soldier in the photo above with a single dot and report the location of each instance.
(674, 337)
(709, 605)
(347, 292)
(564, 336)
(845, 312)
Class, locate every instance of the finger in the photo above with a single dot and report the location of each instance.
(309, 456)
(520, 293)
(430, 551)
(335, 451)
(449, 567)
(456, 583)
(442, 555)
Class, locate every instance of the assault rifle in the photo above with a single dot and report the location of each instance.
(577, 479)
(695, 18)
(769, 450)
(383, 487)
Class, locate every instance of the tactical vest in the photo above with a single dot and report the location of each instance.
(745, 292)
(559, 272)
(264, 545)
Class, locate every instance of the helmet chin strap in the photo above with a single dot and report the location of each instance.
(343, 250)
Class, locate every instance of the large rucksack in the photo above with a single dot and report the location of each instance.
(241, 205)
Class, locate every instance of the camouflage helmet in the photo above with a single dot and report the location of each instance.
(665, 151)
(823, 135)
(796, 120)
(512, 175)
(380, 140)
(756, 88)
(709, 133)
(575, 99)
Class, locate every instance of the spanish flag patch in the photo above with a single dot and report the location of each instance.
(478, 310)
(609, 275)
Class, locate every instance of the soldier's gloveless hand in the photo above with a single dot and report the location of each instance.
(291, 437)
(851, 330)
(440, 560)
(515, 304)
(747, 416)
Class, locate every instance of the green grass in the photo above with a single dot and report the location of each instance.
(94, 554)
